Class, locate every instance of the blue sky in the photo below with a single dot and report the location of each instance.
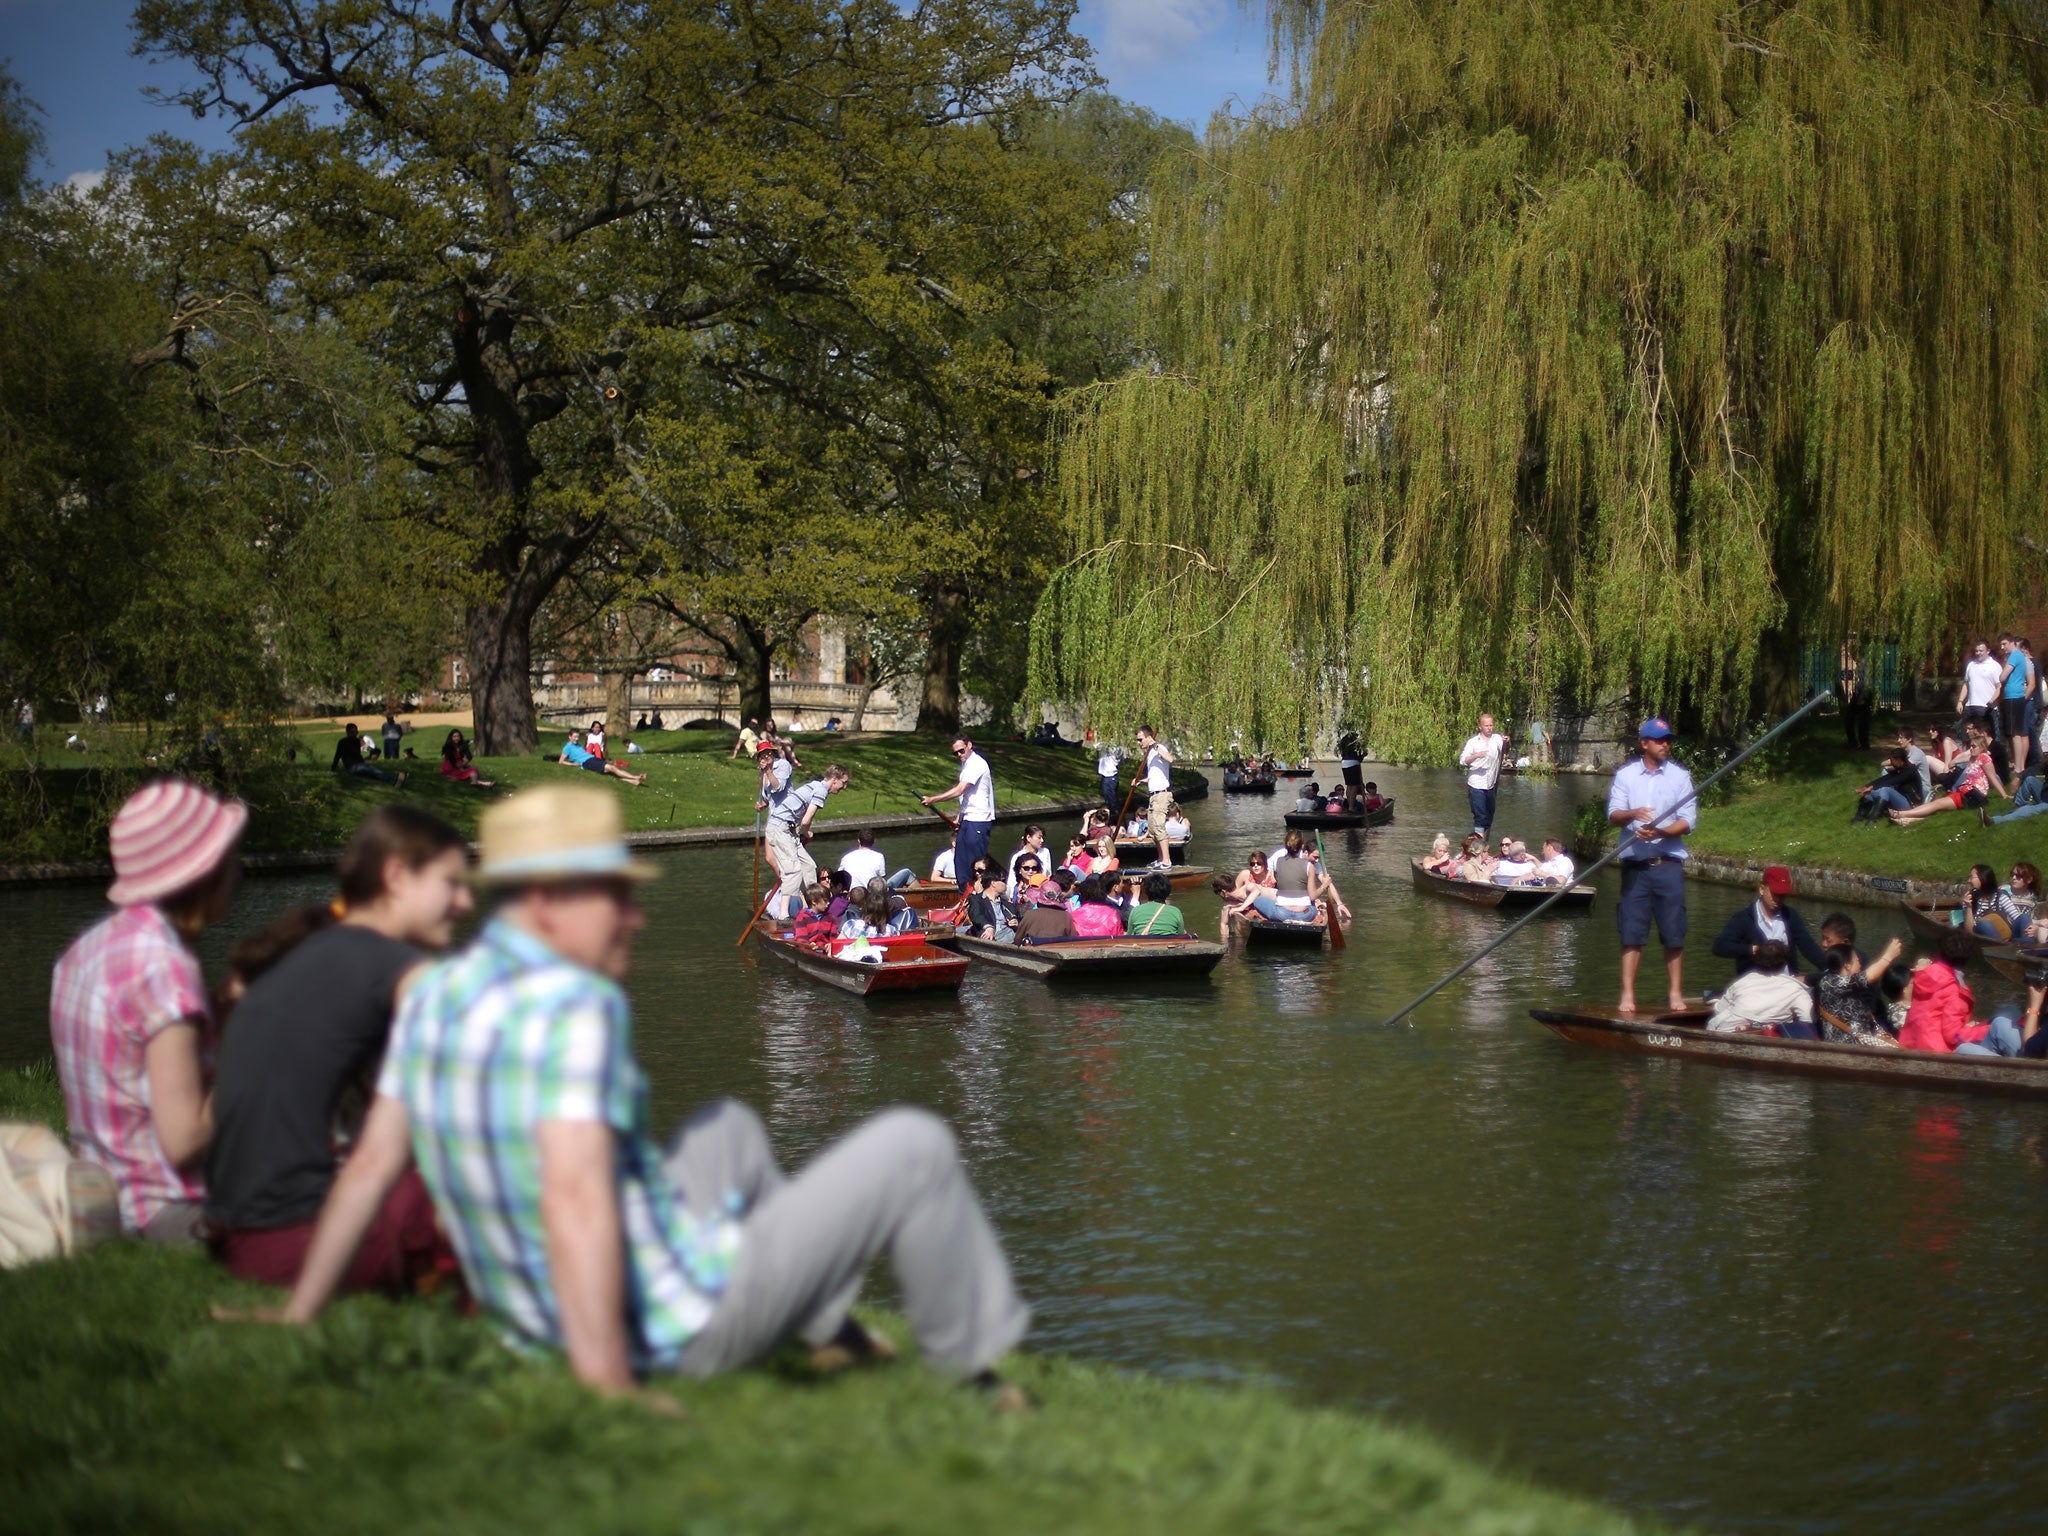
(1182, 58)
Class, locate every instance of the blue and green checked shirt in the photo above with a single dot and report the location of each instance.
(487, 1045)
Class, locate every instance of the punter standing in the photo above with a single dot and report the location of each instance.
(976, 789)
(789, 828)
(1108, 769)
(1481, 761)
(1651, 800)
(1159, 789)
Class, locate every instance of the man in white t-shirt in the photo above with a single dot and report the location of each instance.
(1159, 790)
(1557, 867)
(1481, 759)
(976, 791)
(864, 862)
(1108, 770)
(1978, 697)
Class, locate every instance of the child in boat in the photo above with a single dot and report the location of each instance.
(1372, 796)
(815, 924)
(1439, 854)
(1766, 997)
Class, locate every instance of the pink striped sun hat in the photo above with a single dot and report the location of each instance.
(167, 835)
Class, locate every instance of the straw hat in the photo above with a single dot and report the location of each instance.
(168, 835)
(559, 832)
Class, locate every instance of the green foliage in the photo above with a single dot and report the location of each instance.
(1556, 347)
(127, 1409)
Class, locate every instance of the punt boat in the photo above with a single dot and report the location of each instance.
(1685, 1035)
(1174, 955)
(1505, 898)
(1238, 782)
(911, 963)
(1337, 821)
(1930, 920)
(1254, 929)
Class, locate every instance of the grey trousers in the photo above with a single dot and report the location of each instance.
(794, 862)
(176, 1221)
(893, 1184)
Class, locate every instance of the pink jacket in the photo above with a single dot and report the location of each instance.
(1938, 1018)
(1093, 920)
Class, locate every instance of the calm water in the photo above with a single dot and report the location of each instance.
(1718, 1297)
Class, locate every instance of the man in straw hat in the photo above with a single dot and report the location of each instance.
(510, 1078)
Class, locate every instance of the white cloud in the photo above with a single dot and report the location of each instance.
(1141, 34)
(84, 183)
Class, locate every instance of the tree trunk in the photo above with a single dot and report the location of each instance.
(860, 710)
(500, 656)
(618, 710)
(755, 652)
(938, 707)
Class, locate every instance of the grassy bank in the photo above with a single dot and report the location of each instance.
(127, 1409)
(692, 781)
(1795, 809)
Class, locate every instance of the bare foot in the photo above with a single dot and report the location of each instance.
(1677, 1004)
(1626, 1005)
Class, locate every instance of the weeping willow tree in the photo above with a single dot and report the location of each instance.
(1550, 348)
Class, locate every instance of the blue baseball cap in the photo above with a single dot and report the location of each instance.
(1656, 728)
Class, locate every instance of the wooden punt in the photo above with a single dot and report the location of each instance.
(1929, 919)
(913, 964)
(1325, 821)
(928, 895)
(1381, 815)
(1247, 784)
(1178, 955)
(1684, 1035)
(1506, 898)
(1254, 929)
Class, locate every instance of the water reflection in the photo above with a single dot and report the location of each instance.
(1719, 1297)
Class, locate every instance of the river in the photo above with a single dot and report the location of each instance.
(1716, 1297)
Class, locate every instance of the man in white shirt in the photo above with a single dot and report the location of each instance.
(1108, 770)
(864, 862)
(1651, 800)
(942, 865)
(1557, 867)
(1159, 787)
(1978, 697)
(976, 791)
(1481, 759)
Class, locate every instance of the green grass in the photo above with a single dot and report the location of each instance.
(692, 781)
(1796, 810)
(128, 1409)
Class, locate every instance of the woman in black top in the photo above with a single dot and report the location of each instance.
(298, 1063)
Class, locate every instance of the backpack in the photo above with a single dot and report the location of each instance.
(51, 1203)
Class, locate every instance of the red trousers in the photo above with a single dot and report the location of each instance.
(402, 1253)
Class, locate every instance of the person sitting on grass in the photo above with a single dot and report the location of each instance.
(1156, 914)
(297, 1069)
(1971, 784)
(1897, 788)
(1766, 995)
(348, 758)
(130, 1021)
(1096, 917)
(456, 764)
(510, 1080)
(1849, 1008)
(575, 755)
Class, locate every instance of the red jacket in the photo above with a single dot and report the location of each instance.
(1939, 1017)
(814, 927)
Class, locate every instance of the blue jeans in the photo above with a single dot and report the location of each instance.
(1482, 808)
(1110, 798)
(970, 842)
(1884, 795)
(2004, 1039)
(372, 771)
(901, 878)
(1270, 909)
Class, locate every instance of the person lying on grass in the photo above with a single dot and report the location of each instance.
(510, 1079)
(575, 755)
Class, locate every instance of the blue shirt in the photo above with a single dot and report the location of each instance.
(2016, 680)
(573, 754)
(790, 808)
(1637, 787)
(489, 1044)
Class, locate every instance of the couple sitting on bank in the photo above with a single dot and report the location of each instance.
(508, 1105)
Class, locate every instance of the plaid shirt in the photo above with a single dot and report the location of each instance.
(489, 1044)
(120, 984)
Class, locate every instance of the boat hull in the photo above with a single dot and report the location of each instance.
(1504, 898)
(1684, 1035)
(914, 965)
(1097, 959)
(1264, 933)
(1323, 821)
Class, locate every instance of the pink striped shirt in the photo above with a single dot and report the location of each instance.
(120, 984)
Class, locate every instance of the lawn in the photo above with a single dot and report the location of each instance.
(127, 1409)
(1795, 809)
(692, 781)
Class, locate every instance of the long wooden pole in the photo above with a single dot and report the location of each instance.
(1612, 854)
(1337, 939)
(760, 907)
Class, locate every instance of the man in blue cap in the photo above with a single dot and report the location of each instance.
(1651, 800)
